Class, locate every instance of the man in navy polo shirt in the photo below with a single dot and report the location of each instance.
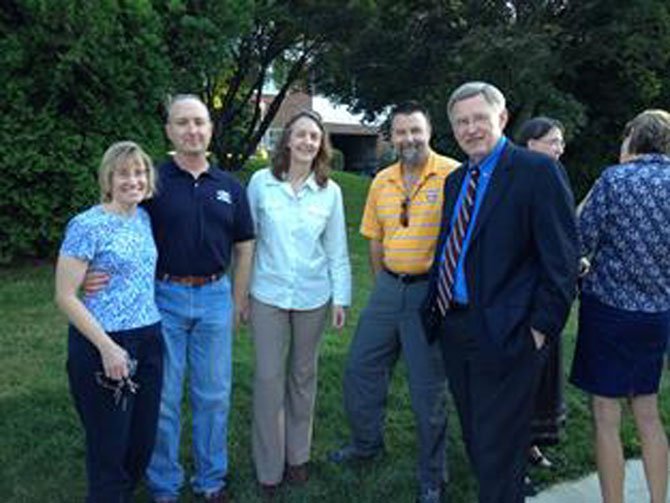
(201, 220)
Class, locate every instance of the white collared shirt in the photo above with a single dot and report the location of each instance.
(301, 259)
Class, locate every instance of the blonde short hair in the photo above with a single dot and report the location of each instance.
(120, 154)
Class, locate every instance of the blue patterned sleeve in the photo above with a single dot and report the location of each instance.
(592, 218)
(79, 241)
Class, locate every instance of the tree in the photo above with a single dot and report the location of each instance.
(618, 56)
(594, 64)
(278, 38)
(77, 76)
(423, 51)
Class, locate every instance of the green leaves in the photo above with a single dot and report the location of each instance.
(79, 76)
(593, 64)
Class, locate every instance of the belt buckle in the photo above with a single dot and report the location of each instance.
(404, 277)
(204, 280)
(197, 280)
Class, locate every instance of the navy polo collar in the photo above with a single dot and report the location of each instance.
(212, 171)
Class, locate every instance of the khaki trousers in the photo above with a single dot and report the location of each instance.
(286, 344)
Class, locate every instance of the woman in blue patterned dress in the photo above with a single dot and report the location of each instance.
(114, 346)
(624, 314)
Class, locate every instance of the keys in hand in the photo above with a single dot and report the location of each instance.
(120, 388)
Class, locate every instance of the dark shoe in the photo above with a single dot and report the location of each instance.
(430, 495)
(349, 454)
(529, 488)
(167, 499)
(537, 458)
(220, 496)
(297, 475)
(268, 492)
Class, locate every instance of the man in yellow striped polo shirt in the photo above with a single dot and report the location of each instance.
(402, 222)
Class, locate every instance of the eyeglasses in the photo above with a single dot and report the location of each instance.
(477, 120)
(554, 142)
(404, 212)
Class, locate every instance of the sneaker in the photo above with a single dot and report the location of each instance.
(429, 495)
(537, 458)
(349, 454)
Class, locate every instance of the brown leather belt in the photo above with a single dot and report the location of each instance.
(190, 280)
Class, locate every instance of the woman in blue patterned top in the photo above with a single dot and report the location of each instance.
(114, 347)
(624, 315)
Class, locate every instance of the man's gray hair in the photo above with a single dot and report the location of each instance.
(491, 94)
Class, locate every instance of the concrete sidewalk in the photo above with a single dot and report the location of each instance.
(587, 490)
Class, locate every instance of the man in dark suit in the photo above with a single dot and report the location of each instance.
(502, 283)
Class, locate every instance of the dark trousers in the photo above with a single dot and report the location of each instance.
(493, 388)
(119, 437)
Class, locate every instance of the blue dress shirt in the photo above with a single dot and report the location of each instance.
(486, 168)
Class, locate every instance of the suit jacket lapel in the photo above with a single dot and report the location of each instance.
(497, 186)
(450, 197)
(454, 189)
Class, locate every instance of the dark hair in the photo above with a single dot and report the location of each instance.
(281, 158)
(536, 128)
(408, 108)
(649, 133)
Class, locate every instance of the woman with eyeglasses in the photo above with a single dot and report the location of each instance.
(115, 350)
(545, 135)
(301, 271)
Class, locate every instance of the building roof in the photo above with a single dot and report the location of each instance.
(350, 129)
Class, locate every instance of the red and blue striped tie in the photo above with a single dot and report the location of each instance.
(454, 247)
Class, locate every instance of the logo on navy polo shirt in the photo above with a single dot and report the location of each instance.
(223, 195)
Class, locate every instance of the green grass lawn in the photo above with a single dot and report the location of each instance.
(41, 446)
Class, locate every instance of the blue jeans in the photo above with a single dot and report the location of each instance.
(197, 326)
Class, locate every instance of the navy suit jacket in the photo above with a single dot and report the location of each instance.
(521, 266)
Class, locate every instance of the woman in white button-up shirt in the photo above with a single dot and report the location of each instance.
(301, 269)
